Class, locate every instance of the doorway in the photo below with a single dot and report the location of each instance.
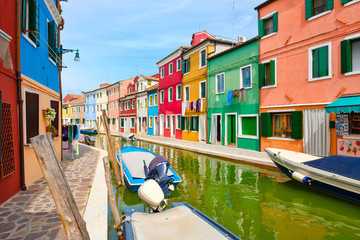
(230, 129)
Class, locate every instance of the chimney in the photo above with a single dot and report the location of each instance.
(241, 39)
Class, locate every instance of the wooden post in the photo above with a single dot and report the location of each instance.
(98, 134)
(119, 174)
(74, 224)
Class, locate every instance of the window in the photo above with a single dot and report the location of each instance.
(168, 121)
(178, 64)
(113, 105)
(194, 123)
(284, 125)
(268, 25)
(162, 96)
(178, 92)
(320, 62)
(133, 104)
(316, 7)
(150, 101)
(202, 58)
(202, 88)
(138, 103)
(146, 102)
(248, 126)
(170, 68)
(100, 94)
(113, 121)
(87, 97)
(141, 86)
(348, 2)
(150, 121)
(220, 83)
(350, 55)
(245, 77)
(97, 108)
(132, 122)
(31, 21)
(187, 93)
(83, 121)
(121, 106)
(178, 121)
(87, 109)
(52, 41)
(94, 96)
(170, 94)
(267, 72)
(122, 122)
(129, 90)
(101, 107)
(136, 86)
(185, 123)
(186, 65)
(162, 72)
(155, 99)
(149, 82)
(31, 115)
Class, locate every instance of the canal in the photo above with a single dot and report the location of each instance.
(251, 201)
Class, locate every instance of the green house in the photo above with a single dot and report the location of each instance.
(233, 120)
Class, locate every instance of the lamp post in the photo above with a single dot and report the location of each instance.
(77, 55)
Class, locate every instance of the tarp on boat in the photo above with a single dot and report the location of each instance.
(340, 165)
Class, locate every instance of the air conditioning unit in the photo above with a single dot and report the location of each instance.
(241, 39)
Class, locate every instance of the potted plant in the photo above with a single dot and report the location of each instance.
(283, 133)
(51, 129)
(49, 114)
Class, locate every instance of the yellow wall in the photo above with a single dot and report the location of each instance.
(69, 111)
(32, 169)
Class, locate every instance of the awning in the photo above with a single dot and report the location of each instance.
(345, 105)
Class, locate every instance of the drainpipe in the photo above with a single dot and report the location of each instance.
(60, 27)
(19, 96)
(206, 110)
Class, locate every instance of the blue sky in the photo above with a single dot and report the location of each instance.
(120, 39)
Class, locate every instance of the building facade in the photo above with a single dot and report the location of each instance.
(128, 109)
(113, 93)
(90, 106)
(233, 97)
(309, 57)
(101, 102)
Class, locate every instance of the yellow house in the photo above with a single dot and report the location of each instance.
(194, 121)
(66, 113)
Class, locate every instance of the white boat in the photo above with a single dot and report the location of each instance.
(339, 175)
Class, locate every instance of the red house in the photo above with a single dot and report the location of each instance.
(128, 109)
(11, 169)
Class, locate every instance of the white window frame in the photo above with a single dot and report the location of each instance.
(351, 3)
(352, 37)
(185, 68)
(240, 135)
(200, 51)
(162, 96)
(264, 18)
(157, 97)
(167, 121)
(186, 98)
(162, 72)
(216, 83)
(150, 121)
(200, 89)
(178, 63)
(177, 121)
(172, 94)
(171, 69)
(329, 76)
(268, 61)
(151, 100)
(178, 94)
(241, 76)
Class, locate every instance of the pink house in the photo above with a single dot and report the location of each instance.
(170, 69)
(128, 107)
(309, 58)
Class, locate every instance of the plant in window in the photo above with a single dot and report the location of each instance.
(51, 129)
(50, 114)
(284, 129)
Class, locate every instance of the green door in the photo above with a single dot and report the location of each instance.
(231, 129)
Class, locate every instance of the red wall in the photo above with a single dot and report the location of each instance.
(11, 184)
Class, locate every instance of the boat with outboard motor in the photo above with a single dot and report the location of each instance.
(339, 175)
(88, 131)
(140, 164)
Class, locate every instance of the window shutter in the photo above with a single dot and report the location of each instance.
(188, 65)
(261, 28)
(275, 22)
(272, 72)
(309, 10)
(346, 64)
(32, 115)
(108, 120)
(196, 123)
(297, 125)
(34, 21)
(266, 125)
(345, 1)
(329, 4)
(323, 61)
(183, 66)
(261, 75)
(182, 123)
(315, 63)
(24, 16)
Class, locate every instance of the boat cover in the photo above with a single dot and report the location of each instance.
(340, 165)
(179, 221)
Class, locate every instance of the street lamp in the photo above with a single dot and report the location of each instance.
(77, 55)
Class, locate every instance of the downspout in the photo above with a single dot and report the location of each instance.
(207, 86)
(19, 97)
(60, 27)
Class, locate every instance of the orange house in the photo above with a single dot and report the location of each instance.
(309, 58)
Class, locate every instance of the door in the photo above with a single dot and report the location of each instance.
(155, 126)
(231, 129)
(173, 125)
(161, 125)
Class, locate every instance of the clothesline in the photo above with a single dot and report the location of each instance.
(192, 106)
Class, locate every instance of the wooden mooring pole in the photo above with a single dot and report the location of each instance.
(99, 134)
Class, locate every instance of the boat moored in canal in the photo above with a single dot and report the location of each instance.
(339, 175)
(88, 131)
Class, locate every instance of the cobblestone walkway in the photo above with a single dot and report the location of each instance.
(32, 214)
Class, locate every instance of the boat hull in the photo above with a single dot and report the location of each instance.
(317, 181)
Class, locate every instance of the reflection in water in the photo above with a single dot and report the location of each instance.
(252, 202)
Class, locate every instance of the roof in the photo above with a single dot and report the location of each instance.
(152, 88)
(209, 40)
(238, 45)
(183, 48)
(76, 100)
(263, 4)
(150, 78)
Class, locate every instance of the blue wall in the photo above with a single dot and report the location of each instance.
(91, 115)
(35, 62)
(153, 112)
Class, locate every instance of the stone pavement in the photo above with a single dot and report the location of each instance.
(32, 214)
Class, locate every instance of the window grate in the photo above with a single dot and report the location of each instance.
(7, 165)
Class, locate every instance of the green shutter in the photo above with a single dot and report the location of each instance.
(346, 63)
(248, 126)
(261, 28)
(272, 72)
(23, 15)
(52, 40)
(329, 4)
(196, 123)
(323, 61)
(261, 75)
(309, 10)
(297, 125)
(183, 66)
(266, 125)
(182, 123)
(188, 65)
(275, 22)
(34, 21)
(315, 63)
(108, 120)
(345, 1)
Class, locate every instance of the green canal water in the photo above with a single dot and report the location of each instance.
(253, 202)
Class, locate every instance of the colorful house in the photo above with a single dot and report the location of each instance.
(194, 68)
(90, 105)
(152, 99)
(66, 113)
(128, 109)
(233, 96)
(78, 110)
(170, 70)
(101, 102)
(11, 163)
(40, 21)
(309, 57)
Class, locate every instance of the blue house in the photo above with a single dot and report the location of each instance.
(40, 65)
(90, 109)
(153, 110)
